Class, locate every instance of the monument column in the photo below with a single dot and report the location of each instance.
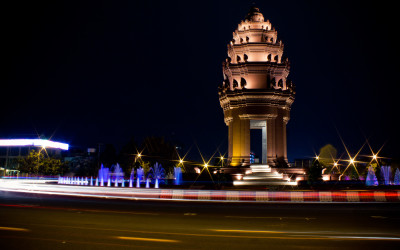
(245, 142)
(271, 141)
(264, 144)
(285, 121)
(279, 136)
(230, 140)
(240, 142)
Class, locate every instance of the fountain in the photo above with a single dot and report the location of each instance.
(132, 178)
(109, 182)
(371, 177)
(117, 174)
(97, 182)
(148, 183)
(397, 177)
(386, 172)
(156, 173)
(140, 176)
(156, 184)
(104, 173)
(178, 176)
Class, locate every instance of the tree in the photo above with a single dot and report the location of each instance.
(327, 155)
(156, 149)
(52, 166)
(37, 163)
(83, 166)
(126, 157)
(281, 162)
(109, 156)
(315, 172)
(31, 163)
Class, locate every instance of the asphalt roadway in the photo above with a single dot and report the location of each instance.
(39, 221)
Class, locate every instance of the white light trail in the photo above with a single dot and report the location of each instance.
(34, 142)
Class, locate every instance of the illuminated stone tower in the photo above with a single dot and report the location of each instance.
(256, 93)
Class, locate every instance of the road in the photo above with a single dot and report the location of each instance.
(33, 221)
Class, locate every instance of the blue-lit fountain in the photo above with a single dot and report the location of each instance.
(371, 179)
(117, 175)
(177, 176)
(103, 175)
(139, 176)
(132, 178)
(396, 180)
(386, 173)
(157, 173)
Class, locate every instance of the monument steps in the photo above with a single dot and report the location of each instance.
(263, 175)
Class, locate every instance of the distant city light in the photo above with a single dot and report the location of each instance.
(205, 165)
(374, 157)
(352, 161)
(33, 142)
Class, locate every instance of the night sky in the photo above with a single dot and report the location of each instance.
(89, 72)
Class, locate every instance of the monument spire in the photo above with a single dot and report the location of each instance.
(256, 92)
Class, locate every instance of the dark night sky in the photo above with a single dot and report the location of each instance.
(102, 71)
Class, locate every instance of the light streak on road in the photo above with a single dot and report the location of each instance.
(14, 229)
(146, 239)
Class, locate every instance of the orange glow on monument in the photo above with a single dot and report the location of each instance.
(256, 93)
